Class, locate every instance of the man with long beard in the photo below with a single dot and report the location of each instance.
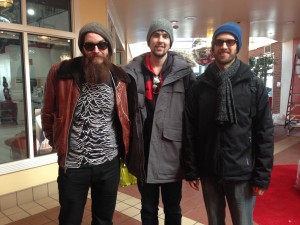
(162, 79)
(85, 116)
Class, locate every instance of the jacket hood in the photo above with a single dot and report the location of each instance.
(179, 63)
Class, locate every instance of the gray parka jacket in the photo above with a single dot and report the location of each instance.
(167, 128)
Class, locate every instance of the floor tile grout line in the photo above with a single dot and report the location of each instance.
(161, 216)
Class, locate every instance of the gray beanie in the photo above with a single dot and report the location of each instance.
(98, 29)
(160, 24)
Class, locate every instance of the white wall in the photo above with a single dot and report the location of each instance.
(286, 73)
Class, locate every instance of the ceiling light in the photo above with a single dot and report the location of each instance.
(289, 22)
(6, 3)
(174, 21)
(43, 37)
(190, 17)
(31, 12)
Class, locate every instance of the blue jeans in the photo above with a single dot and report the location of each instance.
(73, 186)
(171, 194)
(239, 198)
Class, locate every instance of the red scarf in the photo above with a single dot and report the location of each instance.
(149, 80)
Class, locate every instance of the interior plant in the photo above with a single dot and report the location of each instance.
(262, 66)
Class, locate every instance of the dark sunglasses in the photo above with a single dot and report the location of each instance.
(228, 42)
(102, 45)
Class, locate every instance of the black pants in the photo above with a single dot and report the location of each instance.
(171, 194)
(73, 188)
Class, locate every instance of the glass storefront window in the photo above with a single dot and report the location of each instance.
(13, 138)
(44, 51)
(10, 12)
(26, 55)
(51, 14)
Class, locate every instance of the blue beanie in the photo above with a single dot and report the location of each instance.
(231, 28)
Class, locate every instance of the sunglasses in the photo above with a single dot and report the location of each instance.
(102, 45)
(229, 42)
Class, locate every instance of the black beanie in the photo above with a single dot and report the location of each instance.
(98, 29)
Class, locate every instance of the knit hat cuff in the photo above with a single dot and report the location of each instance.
(98, 29)
(161, 24)
(231, 28)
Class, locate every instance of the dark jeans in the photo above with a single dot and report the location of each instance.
(171, 196)
(73, 188)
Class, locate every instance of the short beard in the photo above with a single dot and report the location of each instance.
(97, 72)
(161, 55)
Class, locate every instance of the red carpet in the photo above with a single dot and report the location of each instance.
(280, 205)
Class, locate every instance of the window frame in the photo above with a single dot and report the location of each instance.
(25, 30)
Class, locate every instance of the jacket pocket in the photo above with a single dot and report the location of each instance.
(173, 134)
(170, 153)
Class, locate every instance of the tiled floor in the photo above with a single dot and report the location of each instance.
(45, 211)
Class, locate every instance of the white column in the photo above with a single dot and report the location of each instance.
(244, 52)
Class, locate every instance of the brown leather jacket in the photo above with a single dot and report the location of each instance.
(62, 90)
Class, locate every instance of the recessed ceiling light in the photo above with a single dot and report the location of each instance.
(174, 21)
(190, 17)
(30, 12)
(289, 22)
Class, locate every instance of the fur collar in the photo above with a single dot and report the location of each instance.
(72, 68)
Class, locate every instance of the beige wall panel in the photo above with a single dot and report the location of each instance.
(28, 178)
(86, 11)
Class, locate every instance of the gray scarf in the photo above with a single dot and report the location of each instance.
(225, 103)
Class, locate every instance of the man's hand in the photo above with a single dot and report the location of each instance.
(194, 184)
(256, 191)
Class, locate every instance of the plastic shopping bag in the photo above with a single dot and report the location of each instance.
(124, 175)
(133, 179)
(126, 178)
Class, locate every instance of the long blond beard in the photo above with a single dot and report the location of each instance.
(97, 71)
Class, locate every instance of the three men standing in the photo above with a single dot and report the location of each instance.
(94, 112)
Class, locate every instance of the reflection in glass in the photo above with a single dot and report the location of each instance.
(11, 13)
(13, 139)
(52, 14)
(44, 51)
